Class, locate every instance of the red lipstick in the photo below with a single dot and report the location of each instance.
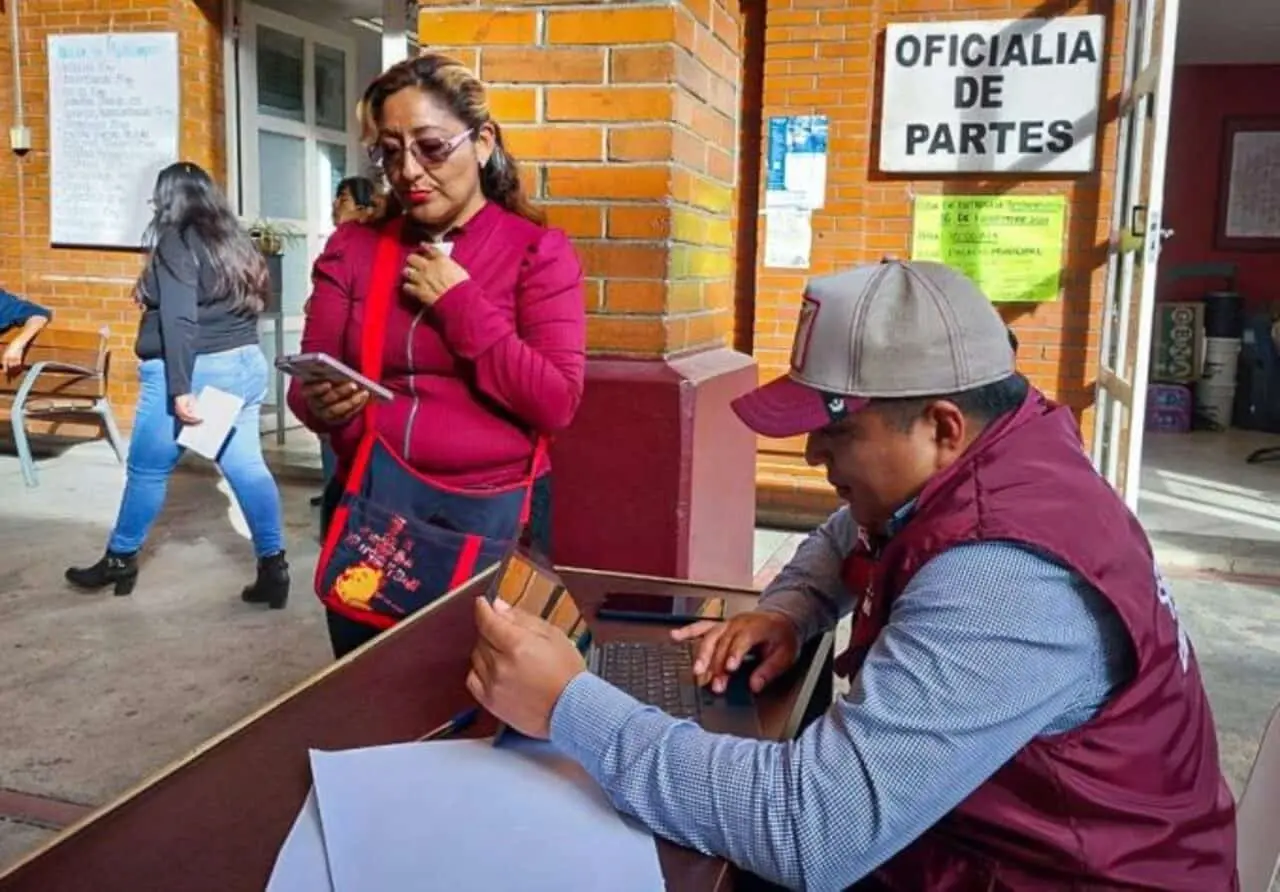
(419, 196)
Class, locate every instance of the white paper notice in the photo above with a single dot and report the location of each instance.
(218, 411)
(788, 238)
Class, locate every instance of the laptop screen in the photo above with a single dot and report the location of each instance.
(525, 584)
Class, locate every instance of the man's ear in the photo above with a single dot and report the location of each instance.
(950, 426)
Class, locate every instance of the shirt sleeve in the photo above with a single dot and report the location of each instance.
(989, 647)
(534, 368)
(16, 311)
(176, 270)
(810, 589)
(329, 311)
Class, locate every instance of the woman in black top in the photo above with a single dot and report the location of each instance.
(201, 291)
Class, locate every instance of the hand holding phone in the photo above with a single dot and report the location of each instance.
(334, 403)
(334, 391)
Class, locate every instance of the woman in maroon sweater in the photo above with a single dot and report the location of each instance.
(484, 341)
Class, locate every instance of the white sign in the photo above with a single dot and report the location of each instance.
(113, 125)
(788, 238)
(1016, 95)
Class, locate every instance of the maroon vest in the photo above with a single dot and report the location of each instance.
(1134, 798)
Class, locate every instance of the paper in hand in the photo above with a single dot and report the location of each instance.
(217, 411)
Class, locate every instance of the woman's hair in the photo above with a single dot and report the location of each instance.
(361, 190)
(187, 199)
(451, 82)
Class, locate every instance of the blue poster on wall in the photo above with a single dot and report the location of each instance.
(797, 162)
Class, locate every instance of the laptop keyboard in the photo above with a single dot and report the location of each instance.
(660, 675)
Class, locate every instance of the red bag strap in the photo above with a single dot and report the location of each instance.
(526, 509)
(382, 291)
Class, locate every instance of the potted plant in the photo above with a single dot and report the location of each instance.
(272, 240)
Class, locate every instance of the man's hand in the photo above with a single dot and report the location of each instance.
(334, 403)
(520, 667)
(724, 645)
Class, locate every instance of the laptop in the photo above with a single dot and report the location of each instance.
(656, 673)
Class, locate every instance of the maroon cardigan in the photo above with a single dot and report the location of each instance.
(497, 359)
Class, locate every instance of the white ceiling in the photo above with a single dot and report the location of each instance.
(1228, 32)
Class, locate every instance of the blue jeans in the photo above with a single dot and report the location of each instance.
(154, 450)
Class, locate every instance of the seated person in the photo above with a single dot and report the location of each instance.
(1026, 710)
(29, 318)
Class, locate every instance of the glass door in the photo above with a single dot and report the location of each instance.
(1137, 233)
(297, 142)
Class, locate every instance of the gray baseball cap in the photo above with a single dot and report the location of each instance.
(887, 330)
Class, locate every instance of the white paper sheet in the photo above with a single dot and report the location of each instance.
(465, 815)
(302, 865)
(217, 411)
(788, 238)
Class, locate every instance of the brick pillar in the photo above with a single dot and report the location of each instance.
(625, 120)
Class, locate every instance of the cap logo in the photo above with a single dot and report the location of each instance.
(836, 408)
(804, 332)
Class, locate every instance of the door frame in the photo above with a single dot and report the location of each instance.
(243, 148)
(251, 122)
(1129, 303)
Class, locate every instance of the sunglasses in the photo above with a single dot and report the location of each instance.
(427, 151)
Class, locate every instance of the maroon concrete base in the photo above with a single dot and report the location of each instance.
(657, 475)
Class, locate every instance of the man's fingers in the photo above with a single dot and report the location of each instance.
(705, 656)
(501, 631)
(777, 660)
(482, 662)
(694, 630)
(524, 619)
(477, 689)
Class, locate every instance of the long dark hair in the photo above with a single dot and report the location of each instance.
(186, 200)
(457, 87)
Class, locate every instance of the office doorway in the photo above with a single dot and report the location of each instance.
(1137, 233)
(297, 141)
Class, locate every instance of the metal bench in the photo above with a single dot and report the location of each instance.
(62, 382)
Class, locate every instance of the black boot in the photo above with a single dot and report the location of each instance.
(120, 570)
(272, 585)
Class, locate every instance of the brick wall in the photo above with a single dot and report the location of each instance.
(88, 289)
(823, 56)
(625, 120)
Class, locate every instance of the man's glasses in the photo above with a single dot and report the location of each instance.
(427, 151)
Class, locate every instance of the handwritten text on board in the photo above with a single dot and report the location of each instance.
(114, 124)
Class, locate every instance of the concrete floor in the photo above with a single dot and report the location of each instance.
(99, 692)
(1206, 508)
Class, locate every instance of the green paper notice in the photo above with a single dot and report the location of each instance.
(1011, 245)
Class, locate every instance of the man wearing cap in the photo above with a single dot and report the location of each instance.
(1026, 711)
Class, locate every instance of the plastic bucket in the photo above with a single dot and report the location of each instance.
(1221, 356)
(1214, 404)
(1223, 314)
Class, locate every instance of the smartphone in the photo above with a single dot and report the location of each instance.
(323, 367)
(667, 611)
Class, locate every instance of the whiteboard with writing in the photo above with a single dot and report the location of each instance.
(113, 125)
